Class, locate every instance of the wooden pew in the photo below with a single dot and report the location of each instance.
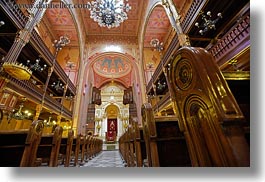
(123, 148)
(208, 113)
(66, 148)
(83, 145)
(139, 145)
(48, 149)
(76, 149)
(165, 143)
(131, 147)
(18, 146)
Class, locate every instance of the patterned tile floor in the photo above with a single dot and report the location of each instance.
(107, 158)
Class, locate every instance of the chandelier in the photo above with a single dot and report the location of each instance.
(161, 86)
(158, 46)
(57, 85)
(208, 24)
(109, 13)
(19, 115)
(36, 66)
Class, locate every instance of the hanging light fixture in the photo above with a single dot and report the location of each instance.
(20, 115)
(208, 24)
(57, 85)
(158, 46)
(161, 86)
(109, 13)
(36, 66)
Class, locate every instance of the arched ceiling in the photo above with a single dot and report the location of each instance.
(112, 66)
(157, 26)
(127, 32)
(60, 22)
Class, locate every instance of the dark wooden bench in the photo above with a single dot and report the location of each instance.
(165, 143)
(140, 150)
(18, 146)
(75, 149)
(66, 148)
(48, 149)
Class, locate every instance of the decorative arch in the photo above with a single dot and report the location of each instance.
(112, 111)
(116, 62)
(173, 18)
(204, 132)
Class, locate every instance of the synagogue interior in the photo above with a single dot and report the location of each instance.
(153, 83)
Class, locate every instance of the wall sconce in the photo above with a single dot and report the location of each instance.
(158, 46)
(208, 24)
(57, 85)
(36, 66)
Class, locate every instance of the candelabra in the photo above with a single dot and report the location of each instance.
(109, 13)
(158, 46)
(208, 24)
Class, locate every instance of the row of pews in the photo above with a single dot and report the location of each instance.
(158, 143)
(207, 128)
(32, 148)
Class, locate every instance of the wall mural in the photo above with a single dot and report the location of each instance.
(112, 66)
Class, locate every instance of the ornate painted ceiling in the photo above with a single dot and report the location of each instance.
(60, 22)
(112, 66)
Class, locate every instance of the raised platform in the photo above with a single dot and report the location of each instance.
(111, 146)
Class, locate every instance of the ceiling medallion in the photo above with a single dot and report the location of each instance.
(109, 13)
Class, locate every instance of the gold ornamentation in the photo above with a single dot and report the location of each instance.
(17, 71)
(183, 74)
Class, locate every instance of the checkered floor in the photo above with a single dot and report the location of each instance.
(111, 158)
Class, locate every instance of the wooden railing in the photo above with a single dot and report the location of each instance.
(35, 93)
(19, 19)
(192, 13)
(236, 39)
(13, 11)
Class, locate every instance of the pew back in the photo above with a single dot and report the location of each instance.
(165, 143)
(18, 146)
(48, 149)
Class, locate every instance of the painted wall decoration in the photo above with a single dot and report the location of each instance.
(112, 66)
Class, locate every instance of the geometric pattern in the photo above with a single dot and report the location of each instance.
(106, 158)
